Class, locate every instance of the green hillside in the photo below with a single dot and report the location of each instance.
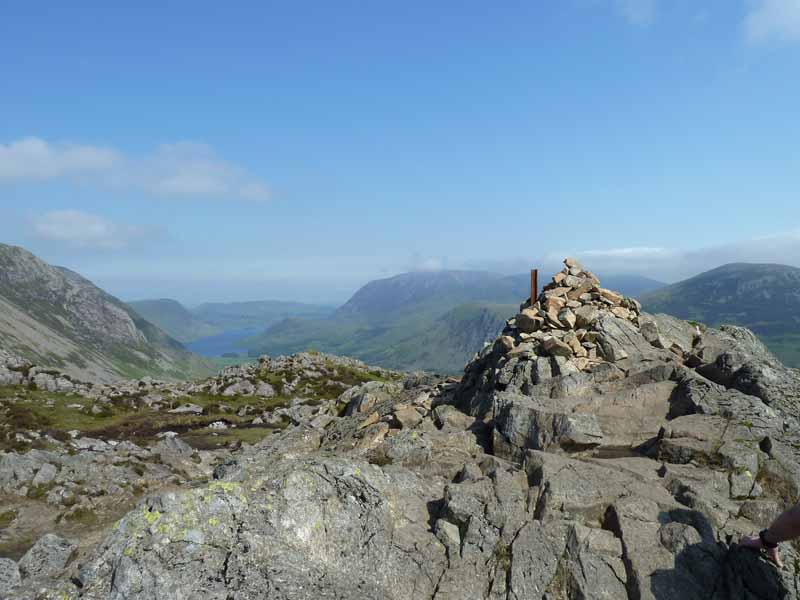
(762, 297)
(173, 318)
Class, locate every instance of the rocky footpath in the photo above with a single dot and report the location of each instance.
(591, 452)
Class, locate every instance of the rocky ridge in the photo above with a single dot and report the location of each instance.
(627, 472)
(55, 317)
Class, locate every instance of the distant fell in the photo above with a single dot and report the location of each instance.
(423, 293)
(174, 319)
(761, 297)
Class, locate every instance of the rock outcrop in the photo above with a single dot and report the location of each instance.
(592, 452)
(53, 316)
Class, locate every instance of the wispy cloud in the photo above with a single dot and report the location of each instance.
(773, 20)
(34, 159)
(83, 230)
(181, 169)
(419, 262)
(635, 252)
(671, 264)
(637, 12)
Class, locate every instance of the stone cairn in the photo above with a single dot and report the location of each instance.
(561, 323)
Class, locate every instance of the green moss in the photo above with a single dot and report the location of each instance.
(209, 439)
(15, 547)
(7, 517)
(502, 555)
(701, 326)
(39, 491)
(83, 516)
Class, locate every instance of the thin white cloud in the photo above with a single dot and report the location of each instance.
(419, 262)
(35, 159)
(633, 252)
(191, 169)
(182, 169)
(637, 12)
(672, 264)
(83, 230)
(773, 20)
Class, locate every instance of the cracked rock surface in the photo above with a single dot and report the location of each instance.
(629, 472)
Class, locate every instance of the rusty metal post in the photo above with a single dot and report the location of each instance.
(534, 285)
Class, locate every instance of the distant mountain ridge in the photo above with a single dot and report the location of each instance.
(761, 297)
(415, 292)
(173, 318)
(202, 327)
(420, 320)
(58, 318)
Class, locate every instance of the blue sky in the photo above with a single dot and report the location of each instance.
(295, 150)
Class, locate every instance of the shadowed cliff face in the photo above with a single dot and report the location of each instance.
(591, 452)
(57, 318)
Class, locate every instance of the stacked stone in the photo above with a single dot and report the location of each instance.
(561, 322)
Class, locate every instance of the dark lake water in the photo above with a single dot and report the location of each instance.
(217, 345)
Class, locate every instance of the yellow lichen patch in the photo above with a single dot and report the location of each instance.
(152, 516)
(165, 529)
(188, 503)
(213, 521)
(226, 486)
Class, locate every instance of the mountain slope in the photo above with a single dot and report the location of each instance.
(174, 319)
(390, 321)
(762, 297)
(450, 340)
(412, 295)
(57, 318)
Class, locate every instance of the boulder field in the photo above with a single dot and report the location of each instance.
(591, 452)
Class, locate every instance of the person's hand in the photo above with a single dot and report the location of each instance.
(754, 542)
